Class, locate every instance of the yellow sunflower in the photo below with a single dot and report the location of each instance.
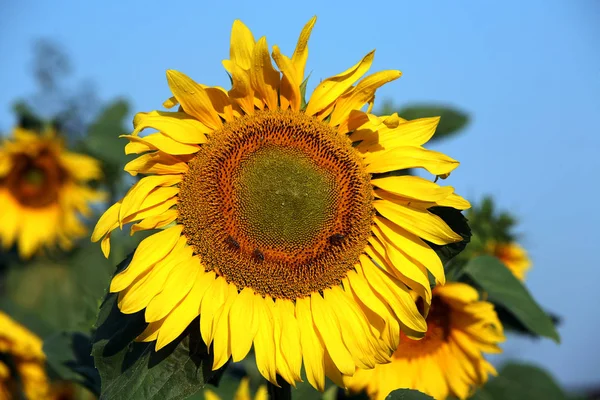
(449, 359)
(278, 223)
(43, 191)
(27, 362)
(242, 393)
(513, 256)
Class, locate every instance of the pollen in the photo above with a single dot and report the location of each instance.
(278, 202)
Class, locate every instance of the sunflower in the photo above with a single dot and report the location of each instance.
(278, 223)
(242, 393)
(42, 191)
(513, 256)
(449, 359)
(22, 361)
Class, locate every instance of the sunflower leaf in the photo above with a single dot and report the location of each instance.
(134, 370)
(458, 223)
(407, 394)
(507, 292)
(521, 382)
(68, 356)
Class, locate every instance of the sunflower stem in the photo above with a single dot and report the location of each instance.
(279, 393)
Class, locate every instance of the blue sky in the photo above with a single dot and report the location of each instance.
(527, 72)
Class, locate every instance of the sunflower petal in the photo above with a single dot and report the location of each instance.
(193, 98)
(312, 349)
(404, 157)
(243, 324)
(264, 78)
(332, 88)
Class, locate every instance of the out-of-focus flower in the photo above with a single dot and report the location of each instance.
(43, 192)
(242, 393)
(26, 365)
(513, 256)
(449, 360)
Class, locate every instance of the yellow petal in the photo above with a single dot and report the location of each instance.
(264, 342)
(177, 286)
(193, 98)
(81, 167)
(241, 89)
(290, 87)
(177, 125)
(181, 316)
(149, 252)
(290, 337)
(156, 163)
(156, 221)
(107, 222)
(222, 341)
(420, 222)
(396, 293)
(413, 187)
(329, 328)
(139, 192)
(264, 78)
(404, 157)
(312, 349)
(301, 52)
(409, 133)
(243, 391)
(159, 141)
(243, 324)
(214, 299)
(414, 247)
(242, 45)
(454, 201)
(360, 95)
(330, 89)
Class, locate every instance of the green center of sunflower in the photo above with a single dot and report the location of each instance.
(285, 199)
(278, 202)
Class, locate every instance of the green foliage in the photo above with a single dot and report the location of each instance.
(507, 293)
(407, 394)
(452, 120)
(489, 224)
(69, 359)
(132, 370)
(521, 382)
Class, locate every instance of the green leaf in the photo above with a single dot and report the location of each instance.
(407, 394)
(133, 370)
(303, 93)
(508, 293)
(521, 382)
(452, 120)
(69, 359)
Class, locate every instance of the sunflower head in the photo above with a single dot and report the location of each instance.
(22, 362)
(449, 360)
(43, 191)
(278, 220)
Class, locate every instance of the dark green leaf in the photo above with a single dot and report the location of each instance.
(458, 223)
(69, 358)
(506, 291)
(407, 394)
(133, 370)
(521, 382)
(451, 119)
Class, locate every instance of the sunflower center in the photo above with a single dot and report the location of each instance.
(35, 180)
(278, 202)
(438, 330)
(284, 199)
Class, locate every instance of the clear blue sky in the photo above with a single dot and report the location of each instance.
(527, 71)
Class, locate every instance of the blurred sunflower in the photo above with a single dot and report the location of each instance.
(22, 362)
(449, 359)
(513, 256)
(42, 191)
(279, 225)
(242, 393)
